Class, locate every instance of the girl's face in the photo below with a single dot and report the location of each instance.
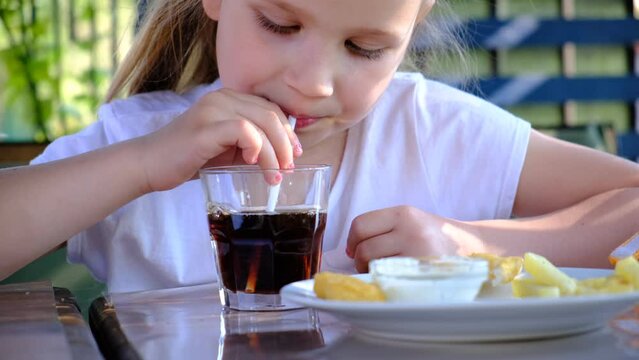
(326, 62)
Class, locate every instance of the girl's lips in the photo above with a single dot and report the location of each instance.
(303, 122)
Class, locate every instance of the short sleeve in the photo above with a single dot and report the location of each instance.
(474, 152)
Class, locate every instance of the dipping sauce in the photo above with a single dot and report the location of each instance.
(444, 279)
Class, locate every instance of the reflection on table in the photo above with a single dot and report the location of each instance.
(264, 334)
(39, 321)
(190, 323)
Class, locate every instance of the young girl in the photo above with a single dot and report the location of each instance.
(419, 168)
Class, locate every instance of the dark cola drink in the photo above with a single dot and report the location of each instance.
(260, 252)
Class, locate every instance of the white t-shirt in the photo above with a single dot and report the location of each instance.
(424, 144)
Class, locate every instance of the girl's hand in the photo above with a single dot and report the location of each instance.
(223, 128)
(406, 231)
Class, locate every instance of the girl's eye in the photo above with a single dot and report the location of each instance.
(365, 53)
(275, 28)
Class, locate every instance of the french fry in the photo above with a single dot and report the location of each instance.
(502, 269)
(529, 287)
(333, 286)
(628, 269)
(545, 273)
(603, 285)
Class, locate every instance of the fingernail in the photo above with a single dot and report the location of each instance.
(348, 253)
(298, 149)
(278, 178)
(291, 166)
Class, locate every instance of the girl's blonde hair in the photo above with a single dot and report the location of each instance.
(175, 48)
(439, 47)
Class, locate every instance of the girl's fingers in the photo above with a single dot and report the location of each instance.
(249, 140)
(283, 118)
(276, 130)
(278, 140)
(252, 143)
(369, 225)
(267, 160)
(295, 142)
(374, 248)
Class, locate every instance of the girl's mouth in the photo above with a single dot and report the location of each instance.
(303, 122)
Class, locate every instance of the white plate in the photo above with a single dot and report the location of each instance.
(495, 318)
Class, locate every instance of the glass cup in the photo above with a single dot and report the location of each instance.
(259, 250)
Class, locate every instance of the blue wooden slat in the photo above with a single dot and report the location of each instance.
(628, 146)
(539, 89)
(528, 31)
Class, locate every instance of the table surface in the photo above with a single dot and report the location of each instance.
(38, 321)
(172, 323)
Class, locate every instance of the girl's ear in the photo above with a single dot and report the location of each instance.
(212, 8)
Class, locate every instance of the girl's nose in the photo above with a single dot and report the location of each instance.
(311, 71)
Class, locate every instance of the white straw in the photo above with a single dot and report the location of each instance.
(274, 190)
(292, 120)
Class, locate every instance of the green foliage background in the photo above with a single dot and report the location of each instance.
(56, 60)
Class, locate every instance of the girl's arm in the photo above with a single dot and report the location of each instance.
(558, 174)
(574, 205)
(42, 206)
(582, 235)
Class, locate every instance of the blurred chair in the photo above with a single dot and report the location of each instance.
(54, 267)
(17, 154)
(596, 136)
(628, 145)
(499, 35)
(563, 86)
